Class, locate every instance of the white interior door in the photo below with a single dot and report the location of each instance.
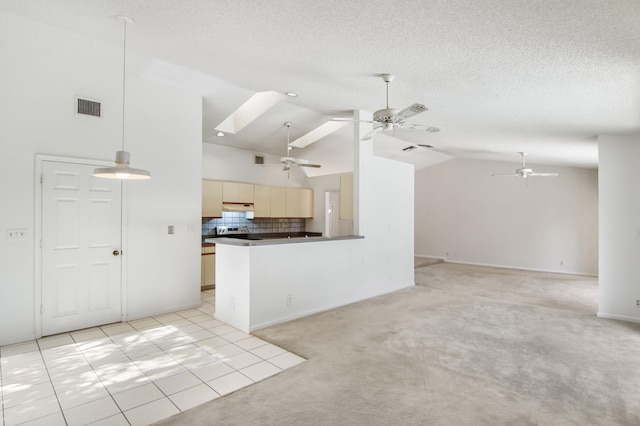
(81, 240)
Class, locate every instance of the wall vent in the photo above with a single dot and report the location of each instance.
(87, 107)
(258, 159)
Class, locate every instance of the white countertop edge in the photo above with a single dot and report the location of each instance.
(272, 241)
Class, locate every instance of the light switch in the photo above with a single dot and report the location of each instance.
(170, 229)
(16, 234)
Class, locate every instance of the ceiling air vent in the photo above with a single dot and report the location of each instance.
(87, 107)
(258, 159)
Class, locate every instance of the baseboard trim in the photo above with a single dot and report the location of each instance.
(163, 311)
(520, 268)
(618, 317)
(17, 339)
(323, 308)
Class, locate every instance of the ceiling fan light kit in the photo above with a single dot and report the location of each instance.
(122, 170)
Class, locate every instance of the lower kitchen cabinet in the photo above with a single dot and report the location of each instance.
(208, 268)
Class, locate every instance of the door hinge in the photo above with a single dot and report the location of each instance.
(41, 179)
(41, 244)
(41, 309)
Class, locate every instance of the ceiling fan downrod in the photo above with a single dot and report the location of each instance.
(388, 78)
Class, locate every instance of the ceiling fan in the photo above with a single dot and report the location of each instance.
(291, 161)
(391, 118)
(525, 172)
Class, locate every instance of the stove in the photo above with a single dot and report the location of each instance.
(224, 231)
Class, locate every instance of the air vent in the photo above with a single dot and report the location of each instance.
(258, 159)
(87, 107)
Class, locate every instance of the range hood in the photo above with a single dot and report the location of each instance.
(236, 207)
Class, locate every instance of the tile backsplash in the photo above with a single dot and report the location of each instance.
(255, 225)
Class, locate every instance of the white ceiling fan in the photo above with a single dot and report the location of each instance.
(291, 161)
(525, 172)
(392, 118)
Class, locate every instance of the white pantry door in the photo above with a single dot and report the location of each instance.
(81, 242)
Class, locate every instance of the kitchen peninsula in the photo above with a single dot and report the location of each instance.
(265, 282)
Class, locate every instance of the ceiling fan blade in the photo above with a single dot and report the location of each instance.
(369, 135)
(419, 127)
(544, 174)
(351, 120)
(410, 111)
(309, 165)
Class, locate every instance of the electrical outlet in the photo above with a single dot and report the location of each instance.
(16, 234)
(289, 300)
(170, 229)
(637, 303)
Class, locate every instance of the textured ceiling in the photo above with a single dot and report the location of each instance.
(498, 76)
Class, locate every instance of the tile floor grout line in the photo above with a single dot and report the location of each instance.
(99, 378)
(51, 381)
(190, 346)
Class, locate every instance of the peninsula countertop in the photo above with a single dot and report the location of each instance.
(272, 241)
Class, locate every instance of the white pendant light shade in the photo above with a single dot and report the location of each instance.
(121, 169)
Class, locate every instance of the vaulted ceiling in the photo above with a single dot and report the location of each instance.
(498, 76)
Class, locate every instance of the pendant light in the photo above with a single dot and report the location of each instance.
(122, 170)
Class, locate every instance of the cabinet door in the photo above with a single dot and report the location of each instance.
(306, 203)
(346, 196)
(211, 198)
(208, 270)
(262, 201)
(230, 192)
(294, 197)
(278, 201)
(246, 193)
(234, 192)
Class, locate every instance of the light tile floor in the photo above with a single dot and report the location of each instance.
(133, 373)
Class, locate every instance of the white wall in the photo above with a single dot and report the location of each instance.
(253, 284)
(385, 211)
(619, 282)
(43, 70)
(463, 214)
(237, 165)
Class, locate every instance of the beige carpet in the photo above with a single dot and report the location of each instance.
(467, 345)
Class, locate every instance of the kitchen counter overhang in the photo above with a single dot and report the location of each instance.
(272, 241)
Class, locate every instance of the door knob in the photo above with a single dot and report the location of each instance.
(116, 253)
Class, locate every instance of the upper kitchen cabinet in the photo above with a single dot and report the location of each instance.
(211, 198)
(262, 201)
(278, 201)
(270, 201)
(235, 192)
(346, 196)
(299, 203)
